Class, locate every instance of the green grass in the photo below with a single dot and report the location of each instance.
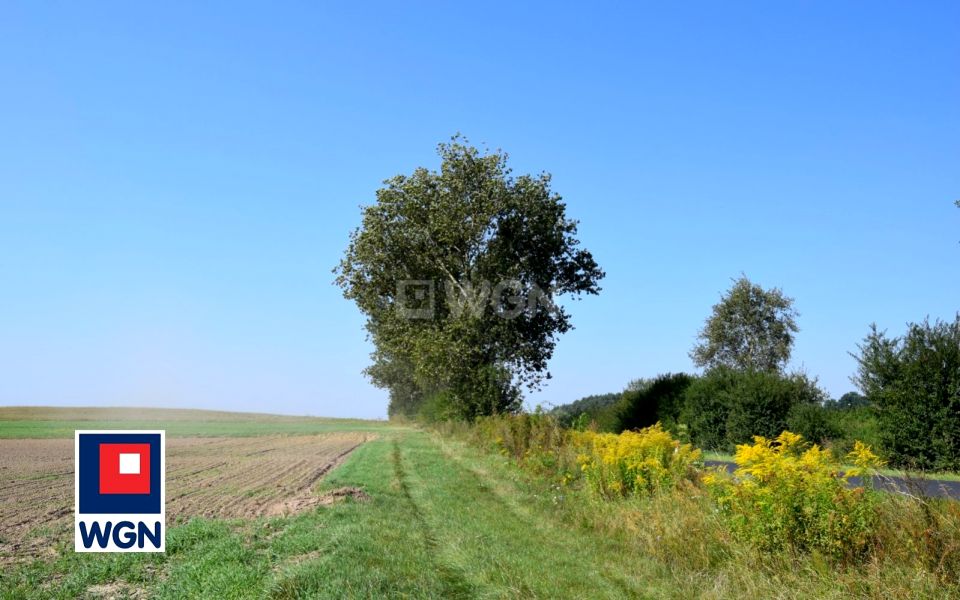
(64, 429)
(47, 422)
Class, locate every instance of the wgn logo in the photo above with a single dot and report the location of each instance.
(119, 491)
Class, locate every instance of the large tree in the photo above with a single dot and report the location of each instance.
(750, 329)
(456, 271)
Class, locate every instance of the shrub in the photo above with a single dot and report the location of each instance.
(853, 424)
(786, 494)
(634, 462)
(813, 422)
(534, 440)
(438, 407)
(726, 407)
(658, 401)
(705, 408)
(914, 384)
(605, 419)
(761, 401)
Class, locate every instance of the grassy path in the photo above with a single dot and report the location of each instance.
(482, 527)
(438, 528)
(441, 522)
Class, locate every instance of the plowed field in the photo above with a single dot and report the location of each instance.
(210, 477)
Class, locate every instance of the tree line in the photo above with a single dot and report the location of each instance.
(908, 405)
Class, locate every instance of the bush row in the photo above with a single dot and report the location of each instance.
(725, 407)
(909, 411)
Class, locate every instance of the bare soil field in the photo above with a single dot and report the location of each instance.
(223, 477)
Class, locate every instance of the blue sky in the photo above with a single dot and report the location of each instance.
(177, 181)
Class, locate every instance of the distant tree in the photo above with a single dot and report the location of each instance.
(591, 407)
(637, 385)
(851, 400)
(913, 383)
(453, 233)
(749, 329)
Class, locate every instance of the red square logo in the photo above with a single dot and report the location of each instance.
(124, 468)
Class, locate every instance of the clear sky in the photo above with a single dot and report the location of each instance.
(177, 181)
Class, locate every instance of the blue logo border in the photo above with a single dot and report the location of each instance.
(91, 501)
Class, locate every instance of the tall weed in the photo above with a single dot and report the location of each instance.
(787, 495)
(643, 462)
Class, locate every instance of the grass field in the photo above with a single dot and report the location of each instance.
(428, 517)
(43, 422)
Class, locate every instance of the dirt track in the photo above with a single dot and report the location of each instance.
(211, 477)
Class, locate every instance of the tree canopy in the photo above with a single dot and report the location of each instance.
(913, 382)
(456, 271)
(749, 329)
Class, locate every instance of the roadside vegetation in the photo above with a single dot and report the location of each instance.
(910, 388)
(787, 513)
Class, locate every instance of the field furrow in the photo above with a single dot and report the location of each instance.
(211, 477)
